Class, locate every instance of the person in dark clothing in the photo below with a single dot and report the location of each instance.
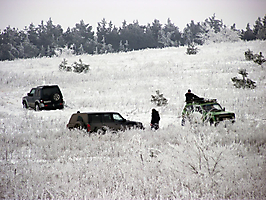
(155, 118)
(190, 97)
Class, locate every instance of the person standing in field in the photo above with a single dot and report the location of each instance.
(190, 97)
(155, 118)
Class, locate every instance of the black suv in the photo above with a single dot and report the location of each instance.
(101, 121)
(44, 97)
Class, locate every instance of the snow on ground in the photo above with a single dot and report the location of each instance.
(124, 82)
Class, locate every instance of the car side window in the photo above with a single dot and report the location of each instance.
(117, 117)
(107, 118)
(32, 91)
(95, 118)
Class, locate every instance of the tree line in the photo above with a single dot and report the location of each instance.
(46, 39)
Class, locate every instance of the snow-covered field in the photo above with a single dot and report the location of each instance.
(40, 158)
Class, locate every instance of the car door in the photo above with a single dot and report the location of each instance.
(95, 121)
(119, 121)
(30, 97)
(108, 121)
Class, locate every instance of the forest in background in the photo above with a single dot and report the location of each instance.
(49, 39)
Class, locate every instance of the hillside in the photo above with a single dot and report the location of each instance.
(40, 158)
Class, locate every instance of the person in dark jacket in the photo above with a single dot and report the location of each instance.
(190, 97)
(155, 118)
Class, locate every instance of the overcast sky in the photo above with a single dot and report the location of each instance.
(20, 13)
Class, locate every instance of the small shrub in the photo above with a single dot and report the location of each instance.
(76, 67)
(80, 67)
(259, 58)
(192, 50)
(249, 55)
(159, 99)
(63, 66)
(244, 82)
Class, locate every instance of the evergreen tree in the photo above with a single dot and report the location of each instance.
(248, 34)
(112, 36)
(28, 48)
(33, 35)
(135, 35)
(101, 30)
(192, 32)
(214, 23)
(171, 32)
(258, 26)
(156, 28)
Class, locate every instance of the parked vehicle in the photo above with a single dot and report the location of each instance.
(206, 111)
(44, 97)
(101, 121)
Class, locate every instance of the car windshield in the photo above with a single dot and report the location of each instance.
(211, 107)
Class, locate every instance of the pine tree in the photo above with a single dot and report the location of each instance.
(159, 99)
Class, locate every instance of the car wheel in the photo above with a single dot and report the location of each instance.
(25, 106)
(56, 97)
(101, 131)
(37, 107)
(79, 126)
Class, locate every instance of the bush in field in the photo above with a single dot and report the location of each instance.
(249, 55)
(159, 99)
(192, 50)
(80, 67)
(244, 82)
(259, 58)
(76, 67)
(63, 66)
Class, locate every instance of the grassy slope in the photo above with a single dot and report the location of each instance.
(41, 159)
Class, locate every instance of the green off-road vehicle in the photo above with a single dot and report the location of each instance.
(205, 111)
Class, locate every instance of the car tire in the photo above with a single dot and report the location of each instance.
(37, 107)
(101, 131)
(25, 106)
(79, 126)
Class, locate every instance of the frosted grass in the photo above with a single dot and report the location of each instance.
(41, 159)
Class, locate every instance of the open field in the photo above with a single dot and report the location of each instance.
(41, 159)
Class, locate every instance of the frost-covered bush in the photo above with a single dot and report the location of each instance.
(158, 99)
(192, 50)
(64, 67)
(259, 58)
(225, 35)
(244, 82)
(249, 55)
(80, 67)
(64, 52)
(75, 67)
